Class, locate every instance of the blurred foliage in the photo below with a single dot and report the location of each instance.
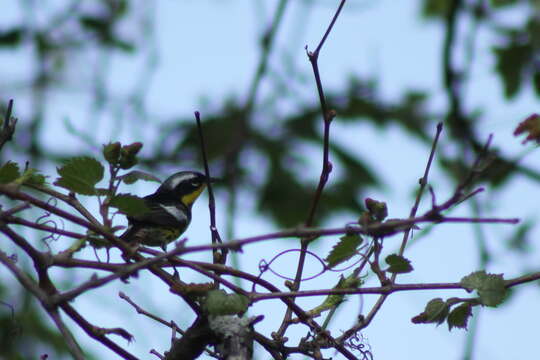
(21, 323)
(235, 132)
(284, 196)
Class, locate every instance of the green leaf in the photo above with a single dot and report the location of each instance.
(128, 204)
(350, 282)
(501, 3)
(536, 82)
(490, 287)
(459, 316)
(135, 175)
(435, 312)
(9, 172)
(398, 264)
(31, 177)
(520, 240)
(80, 175)
(512, 61)
(218, 302)
(11, 38)
(344, 249)
(435, 8)
(377, 209)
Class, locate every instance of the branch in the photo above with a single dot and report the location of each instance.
(123, 272)
(388, 228)
(216, 238)
(328, 116)
(30, 285)
(98, 333)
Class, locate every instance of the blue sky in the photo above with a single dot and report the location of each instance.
(207, 50)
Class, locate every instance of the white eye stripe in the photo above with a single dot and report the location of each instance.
(174, 212)
(174, 182)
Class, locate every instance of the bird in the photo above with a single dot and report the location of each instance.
(169, 210)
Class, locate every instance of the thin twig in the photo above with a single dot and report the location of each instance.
(216, 238)
(328, 116)
(71, 342)
(98, 333)
(387, 229)
(423, 184)
(156, 318)
(125, 271)
(388, 289)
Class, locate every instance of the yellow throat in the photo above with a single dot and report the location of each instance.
(189, 199)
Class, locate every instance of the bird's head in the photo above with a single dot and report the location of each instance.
(185, 185)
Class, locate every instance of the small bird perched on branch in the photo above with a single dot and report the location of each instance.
(169, 211)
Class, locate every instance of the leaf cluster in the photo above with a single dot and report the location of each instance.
(491, 290)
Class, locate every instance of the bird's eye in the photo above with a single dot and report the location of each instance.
(195, 184)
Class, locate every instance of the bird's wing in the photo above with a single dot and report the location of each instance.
(163, 213)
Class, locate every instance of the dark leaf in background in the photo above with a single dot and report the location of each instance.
(511, 66)
(435, 8)
(502, 3)
(517, 60)
(536, 82)
(11, 37)
(24, 331)
(224, 132)
(520, 240)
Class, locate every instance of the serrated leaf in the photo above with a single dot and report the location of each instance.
(218, 302)
(490, 287)
(435, 312)
(80, 175)
(459, 316)
(9, 172)
(135, 175)
(398, 264)
(344, 249)
(129, 204)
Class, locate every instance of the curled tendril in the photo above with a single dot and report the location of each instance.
(264, 266)
(360, 344)
(45, 220)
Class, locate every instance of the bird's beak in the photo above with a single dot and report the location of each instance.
(214, 180)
